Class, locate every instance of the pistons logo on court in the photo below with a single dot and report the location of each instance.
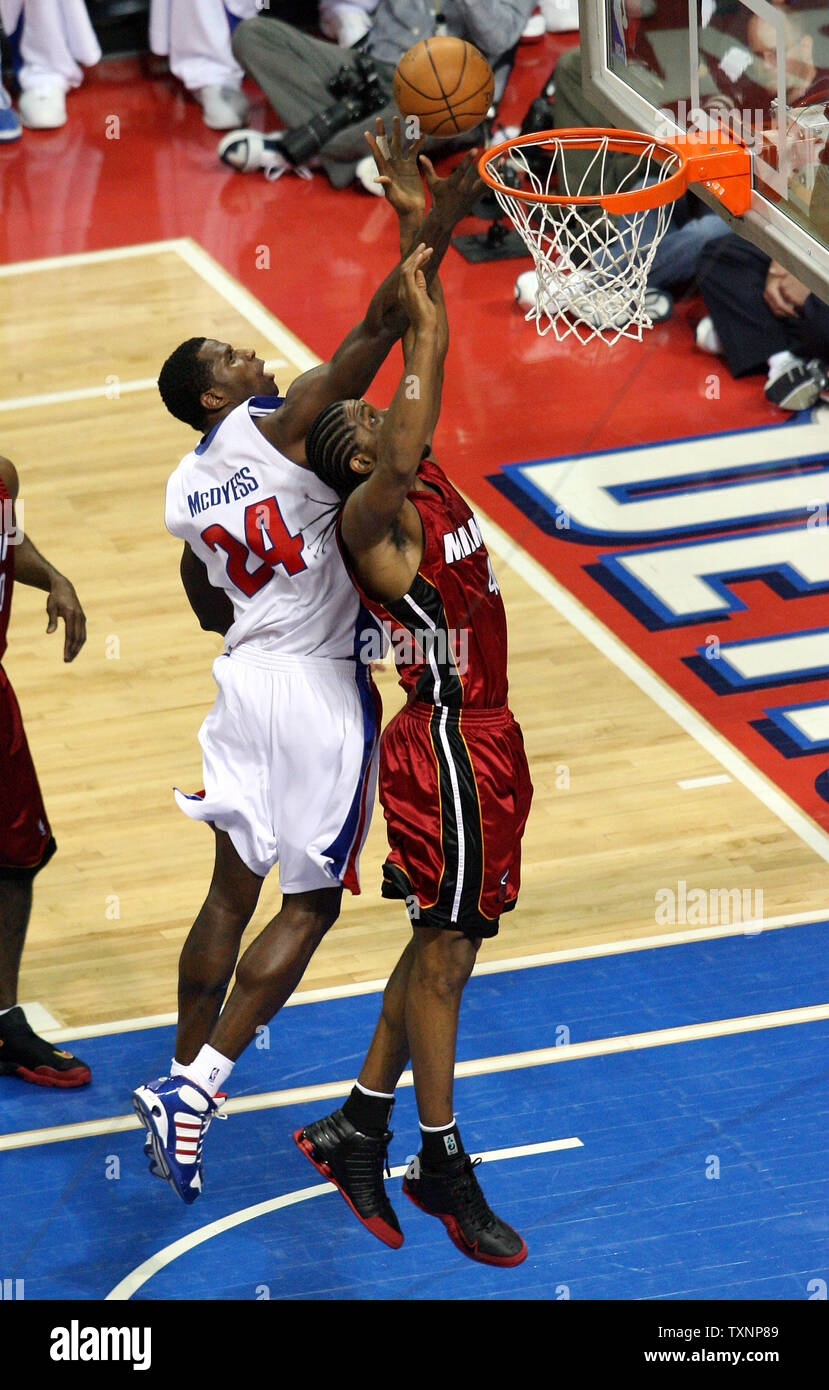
(709, 558)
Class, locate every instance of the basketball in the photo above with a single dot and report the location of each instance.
(446, 83)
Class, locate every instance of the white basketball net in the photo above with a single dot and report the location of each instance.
(592, 268)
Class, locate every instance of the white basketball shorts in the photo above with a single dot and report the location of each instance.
(290, 765)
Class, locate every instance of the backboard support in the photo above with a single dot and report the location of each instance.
(741, 66)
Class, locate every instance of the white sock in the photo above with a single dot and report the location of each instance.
(381, 1095)
(8, 1010)
(439, 1129)
(708, 338)
(210, 1070)
(779, 361)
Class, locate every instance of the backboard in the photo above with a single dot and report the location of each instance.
(757, 71)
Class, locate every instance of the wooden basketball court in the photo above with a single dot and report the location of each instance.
(634, 793)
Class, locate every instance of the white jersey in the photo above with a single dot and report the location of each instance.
(262, 525)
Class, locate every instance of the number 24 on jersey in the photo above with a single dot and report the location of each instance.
(268, 539)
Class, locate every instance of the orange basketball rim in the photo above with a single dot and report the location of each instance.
(722, 166)
(593, 251)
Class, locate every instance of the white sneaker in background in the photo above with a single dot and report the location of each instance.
(575, 295)
(535, 27)
(560, 16)
(366, 173)
(526, 287)
(529, 293)
(224, 108)
(707, 337)
(43, 108)
(249, 151)
(345, 24)
(499, 133)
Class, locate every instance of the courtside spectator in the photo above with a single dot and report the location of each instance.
(295, 70)
(51, 42)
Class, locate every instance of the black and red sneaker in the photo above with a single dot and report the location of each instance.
(455, 1198)
(355, 1164)
(24, 1054)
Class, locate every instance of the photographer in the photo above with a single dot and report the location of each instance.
(296, 72)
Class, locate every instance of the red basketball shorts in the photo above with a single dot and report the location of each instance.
(456, 792)
(26, 842)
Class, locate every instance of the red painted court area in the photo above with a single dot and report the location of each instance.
(135, 164)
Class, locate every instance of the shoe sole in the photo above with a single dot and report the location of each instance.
(454, 1233)
(145, 1116)
(375, 1224)
(801, 398)
(45, 1076)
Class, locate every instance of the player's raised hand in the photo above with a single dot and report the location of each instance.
(413, 291)
(397, 168)
(64, 603)
(455, 196)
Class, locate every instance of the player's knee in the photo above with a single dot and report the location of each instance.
(445, 963)
(309, 922)
(226, 914)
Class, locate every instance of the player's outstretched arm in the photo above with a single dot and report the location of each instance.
(31, 568)
(357, 360)
(211, 606)
(372, 509)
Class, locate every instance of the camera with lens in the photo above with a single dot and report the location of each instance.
(359, 92)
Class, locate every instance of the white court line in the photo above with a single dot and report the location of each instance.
(139, 1276)
(83, 393)
(690, 783)
(479, 1066)
(245, 303)
(113, 253)
(489, 967)
(209, 270)
(89, 393)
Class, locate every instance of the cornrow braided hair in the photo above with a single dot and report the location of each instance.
(330, 447)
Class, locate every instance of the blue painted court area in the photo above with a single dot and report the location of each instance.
(701, 1170)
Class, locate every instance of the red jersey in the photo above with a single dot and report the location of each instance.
(6, 564)
(449, 632)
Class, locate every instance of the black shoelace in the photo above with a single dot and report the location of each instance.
(471, 1200)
